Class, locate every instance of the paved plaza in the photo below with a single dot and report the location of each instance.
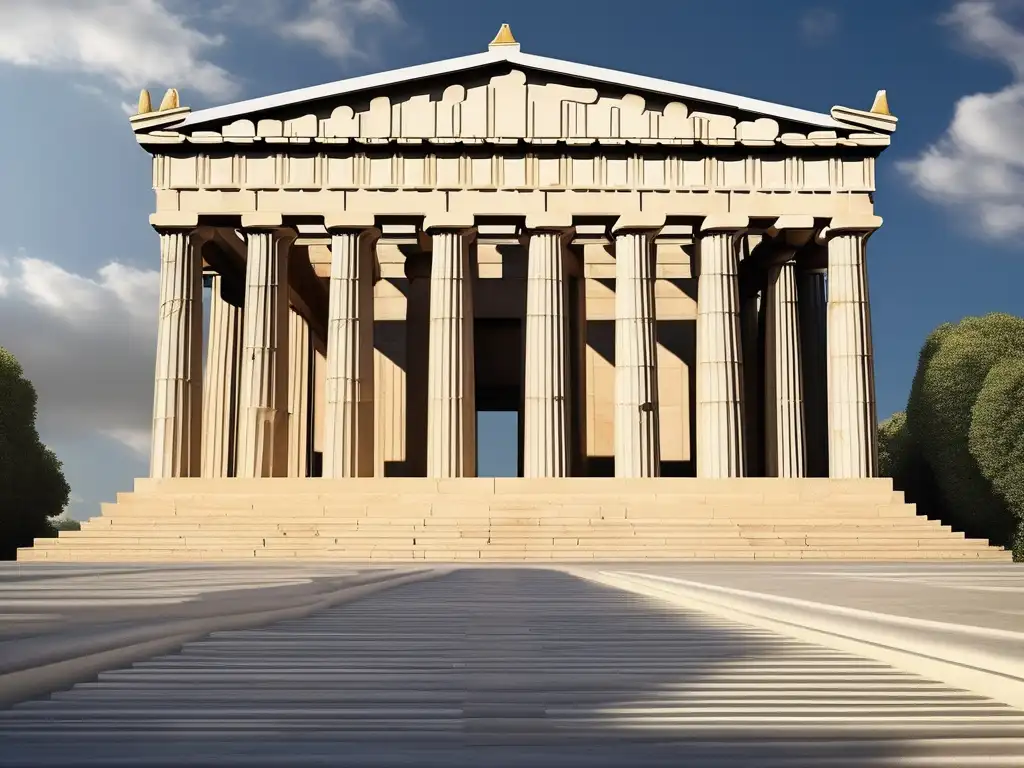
(652, 665)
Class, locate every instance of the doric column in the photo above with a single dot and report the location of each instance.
(785, 448)
(451, 405)
(348, 400)
(263, 394)
(220, 387)
(720, 449)
(852, 425)
(177, 399)
(417, 357)
(637, 434)
(749, 339)
(300, 353)
(547, 438)
(813, 319)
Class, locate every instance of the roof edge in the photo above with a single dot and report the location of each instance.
(514, 56)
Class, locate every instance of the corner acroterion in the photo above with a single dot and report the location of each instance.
(170, 100)
(145, 103)
(880, 106)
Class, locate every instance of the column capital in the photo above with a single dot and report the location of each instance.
(849, 224)
(794, 230)
(790, 223)
(724, 223)
(262, 220)
(638, 221)
(169, 220)
(448, 221)
(548, 221)
(268, 223)
(349, 221)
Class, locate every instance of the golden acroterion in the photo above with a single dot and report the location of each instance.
(504, 36)
(881, 104)
(145, 103)
(170, 100)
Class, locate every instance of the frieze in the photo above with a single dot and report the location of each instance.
(618, 171)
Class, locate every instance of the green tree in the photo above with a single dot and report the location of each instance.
(997, 438)
(900, 458)
(32, 484)
(965, 375)
(65, 524)
(893, 447)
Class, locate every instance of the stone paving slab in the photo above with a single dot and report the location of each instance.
(60, 624)
(978, 595)
(510, 667)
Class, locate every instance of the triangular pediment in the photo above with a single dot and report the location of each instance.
(507, 97)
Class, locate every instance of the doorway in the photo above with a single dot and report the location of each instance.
(498, 364)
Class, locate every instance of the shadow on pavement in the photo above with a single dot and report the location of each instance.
(508, 667)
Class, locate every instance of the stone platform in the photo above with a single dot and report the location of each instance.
(513, 520)
(296, 664)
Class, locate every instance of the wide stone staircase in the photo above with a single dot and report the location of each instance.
(394, 520)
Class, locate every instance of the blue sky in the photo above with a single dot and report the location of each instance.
(78, 260)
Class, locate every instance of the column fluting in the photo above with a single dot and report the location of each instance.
(220, 386)
(177, 398)
(852, 423)
(720, 410)
(348, 390)
(637, 418)
(300, 353)
(546, 434)
(451, 406)
(263, 394)
(785, 446)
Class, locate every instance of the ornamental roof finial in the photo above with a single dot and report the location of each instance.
(881, 104)
(503, 39)
(170, 100)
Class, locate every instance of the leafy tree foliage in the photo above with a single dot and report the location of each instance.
(32, 484)
(958, 452)
(997, 438)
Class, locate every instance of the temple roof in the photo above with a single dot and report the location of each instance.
(509, 53)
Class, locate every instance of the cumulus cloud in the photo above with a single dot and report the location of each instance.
(87, 343)
(977, 166)
(152, 43)
(334, 27)
(133, 43)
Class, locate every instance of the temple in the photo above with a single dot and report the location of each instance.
(667, 284)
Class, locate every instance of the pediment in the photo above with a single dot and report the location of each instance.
(509, 99)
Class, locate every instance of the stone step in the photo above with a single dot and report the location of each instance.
(284, 530)
(411, 513)
(289, 532)
(397, 556)
(635, 550)
(512, 485)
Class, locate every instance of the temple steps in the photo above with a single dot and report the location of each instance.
(510, 520)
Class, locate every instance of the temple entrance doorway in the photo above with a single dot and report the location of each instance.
(499, 396)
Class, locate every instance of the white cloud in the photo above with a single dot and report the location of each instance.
(86, 343)
(133, 43)
(136, 44)
(818, 24)
(333, 26)
(977, 166)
